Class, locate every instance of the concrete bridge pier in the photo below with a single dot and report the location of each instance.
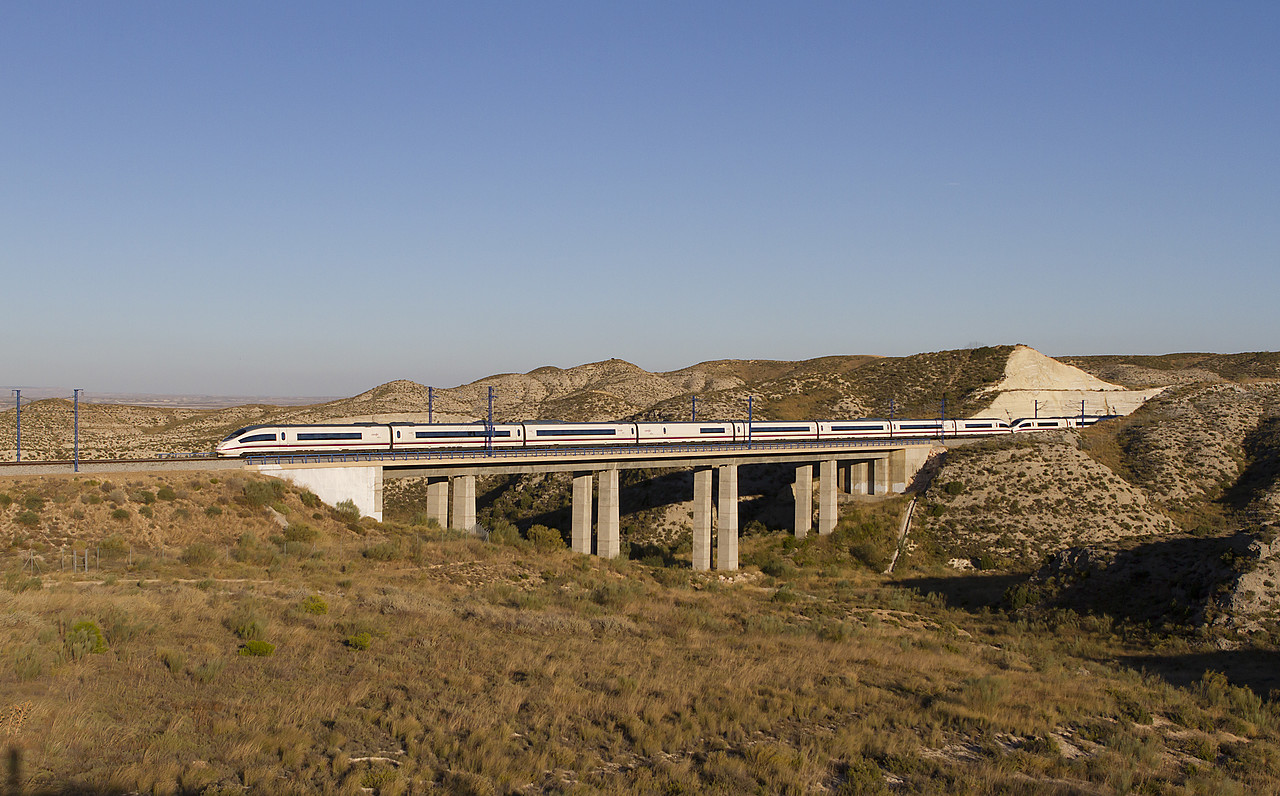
(580, 530)
(464, 503)
(727, 525)
(608, 544)
(438, 500)
(803, 491)
(826, 496)
(702, 519)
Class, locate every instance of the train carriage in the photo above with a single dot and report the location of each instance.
(769, 431)
(868, 428)
(555, 434)
(678, 433)
(419, 436)
(979, 426)
(353, 437)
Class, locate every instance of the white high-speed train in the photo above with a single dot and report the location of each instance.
(379, 437)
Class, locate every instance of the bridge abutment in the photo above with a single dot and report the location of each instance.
(361, 485)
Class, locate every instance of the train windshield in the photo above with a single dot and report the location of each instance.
(236, 433)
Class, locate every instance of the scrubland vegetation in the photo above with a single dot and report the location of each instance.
(273, 644)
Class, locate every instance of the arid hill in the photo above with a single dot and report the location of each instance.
(969, 381)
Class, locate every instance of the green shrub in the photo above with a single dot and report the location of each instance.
(198, 554)
(28, 518)
(309, 499)
(249, 550)
(246, 623)
(954, 488)
(147, 511)
(347, 511)
(85, 638)
(382, 551)
(299, 532)
(166, 493)
(545, 538)
(144, 496)
(5, 500)
(505, 533)
(263, 493)
(120, 514)
(213, 511)
(359, 641)
(113, 545)
(33, 503)
(256, 648)
(315, 604)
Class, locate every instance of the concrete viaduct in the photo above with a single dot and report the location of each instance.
(869, 467)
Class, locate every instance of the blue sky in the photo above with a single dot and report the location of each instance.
(315, 198)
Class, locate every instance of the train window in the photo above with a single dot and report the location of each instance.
(572, 432)
(469, 433)
(323, 435)
(862, 427)
(778, 429)
(918, 426)
(260, 438)
(713, 430)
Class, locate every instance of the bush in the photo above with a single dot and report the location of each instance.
(28, 518)
(309, 499)
(33, 503)
(545, 538)
(166, 493)
(382, 551)
(246, 624)
(198, 554)
(5, 500)
(359, 641)
(257, 648)
(113, 545)
(315, 604)
(954, 488)
(263, 493)
(144, 496)
(85, 638)
(347, 511)
(147, 511)
(120, 514)
(213, 511)
(505, 533)
(299, 532)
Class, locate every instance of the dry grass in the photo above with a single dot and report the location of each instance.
(498, 668)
